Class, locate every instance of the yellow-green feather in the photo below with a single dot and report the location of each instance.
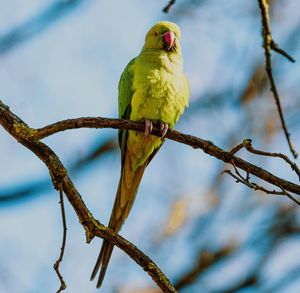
(152, 86)
(160, 94)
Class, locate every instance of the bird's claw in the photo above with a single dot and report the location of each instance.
(164, 127)
(148, 127)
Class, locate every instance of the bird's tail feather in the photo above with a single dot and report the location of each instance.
(103, 260)
(126, 193)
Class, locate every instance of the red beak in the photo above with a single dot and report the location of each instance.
(169, 38)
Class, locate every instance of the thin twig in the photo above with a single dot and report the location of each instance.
(252, 185)
(280, 51)
(268, 45)
(170, 4)
(235, 149)
(63, 245)
(247, 143)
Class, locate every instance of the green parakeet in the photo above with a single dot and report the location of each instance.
(152, 88)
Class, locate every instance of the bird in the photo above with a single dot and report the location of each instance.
(154, 89)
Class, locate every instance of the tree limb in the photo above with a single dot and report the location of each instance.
(30, 138)
(195, 142)
(23, 134)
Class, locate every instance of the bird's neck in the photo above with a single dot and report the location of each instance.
(160, 57)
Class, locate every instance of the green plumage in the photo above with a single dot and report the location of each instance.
(153, 87)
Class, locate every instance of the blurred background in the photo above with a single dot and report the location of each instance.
(63, 59)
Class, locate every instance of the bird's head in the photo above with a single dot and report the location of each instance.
(163, 35)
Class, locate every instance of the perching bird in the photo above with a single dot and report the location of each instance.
(152, 88)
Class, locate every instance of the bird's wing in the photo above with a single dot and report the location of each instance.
(125, 96)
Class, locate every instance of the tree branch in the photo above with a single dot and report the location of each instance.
(247, 143)
(63, 285)
(195, 142)
(252, 185)
(269, 44)
(280, 51)
(29, 137)
(23, 134)
(169, 5)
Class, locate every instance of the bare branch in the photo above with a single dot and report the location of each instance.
(235, 149)
(247, 143)
(30, 138)
(280, 51)
(170, 4)
(23, 134)
(252, 185)
(195, 142)
(63, 285)
(269, 44)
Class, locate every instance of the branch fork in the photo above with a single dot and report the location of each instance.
(31, 139)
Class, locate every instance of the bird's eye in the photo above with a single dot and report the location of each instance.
(156, 34)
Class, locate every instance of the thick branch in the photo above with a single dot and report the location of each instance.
(195, 142)
(23, 134)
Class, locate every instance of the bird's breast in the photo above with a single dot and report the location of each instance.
(158, 91)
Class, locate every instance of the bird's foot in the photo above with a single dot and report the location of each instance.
(164, 127)
(148, 127)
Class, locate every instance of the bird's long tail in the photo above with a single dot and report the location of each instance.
(126, 193)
